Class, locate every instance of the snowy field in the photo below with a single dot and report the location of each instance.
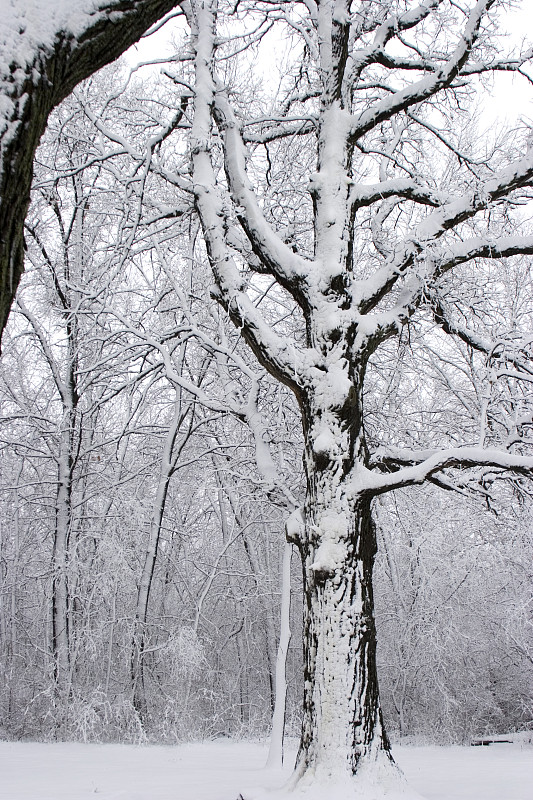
(220, 770)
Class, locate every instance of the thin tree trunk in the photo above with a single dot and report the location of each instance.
(60, 591)
(111, 638)
(168, 460)
(257, 570)
(275, 752)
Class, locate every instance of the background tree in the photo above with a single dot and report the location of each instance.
(166, 415)
(452, 586)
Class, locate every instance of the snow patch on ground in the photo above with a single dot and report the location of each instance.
(223, 769)
(383, 781)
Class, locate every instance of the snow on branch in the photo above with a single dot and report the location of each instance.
(273, 352)
(479, 247)
(510, 355)
(410, 467)
(502, 65)
(361, 196)
(272, 129)
(146, 156)
(430, 84)
(474, 68)
(277, 257)
(517, 175)
(157, 345)
(390, 28)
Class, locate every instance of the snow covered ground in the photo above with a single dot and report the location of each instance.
(220, 770)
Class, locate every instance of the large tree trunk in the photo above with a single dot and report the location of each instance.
(342, 723)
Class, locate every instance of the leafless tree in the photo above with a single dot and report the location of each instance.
(399, 209)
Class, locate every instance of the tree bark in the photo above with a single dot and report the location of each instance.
(342, 723)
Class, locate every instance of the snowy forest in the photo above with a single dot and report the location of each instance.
(266, 377)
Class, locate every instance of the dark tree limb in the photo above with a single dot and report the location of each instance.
(53, 73)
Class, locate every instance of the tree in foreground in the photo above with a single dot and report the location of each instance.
(388, 233)
(46, 50)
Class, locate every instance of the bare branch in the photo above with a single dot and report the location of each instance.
(288, 267)
(428, 86)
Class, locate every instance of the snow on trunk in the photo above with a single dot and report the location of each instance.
(342, 725)
(344, 749)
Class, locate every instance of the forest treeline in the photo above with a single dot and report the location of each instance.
(148, 466)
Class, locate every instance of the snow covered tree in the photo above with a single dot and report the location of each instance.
(135, 374)
(395, 223)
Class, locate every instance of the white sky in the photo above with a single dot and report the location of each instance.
(513, 96)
